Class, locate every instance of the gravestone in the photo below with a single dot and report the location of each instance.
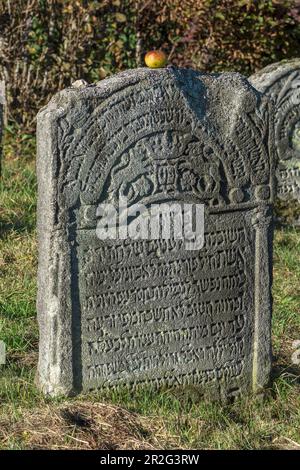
(2, 117)
(133, 312)
(281, 81)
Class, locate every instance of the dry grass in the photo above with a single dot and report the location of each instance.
(78, 426)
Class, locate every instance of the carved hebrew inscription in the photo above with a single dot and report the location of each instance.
(148, 311)
(154, 312)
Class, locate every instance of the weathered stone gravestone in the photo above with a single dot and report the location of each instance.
(2, 116)
(148, 311)
(281, 81)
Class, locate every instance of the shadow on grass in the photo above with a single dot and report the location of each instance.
(291, 372)
(17, 227)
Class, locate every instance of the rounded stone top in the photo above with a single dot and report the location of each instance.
(262, 78)
(281, 83)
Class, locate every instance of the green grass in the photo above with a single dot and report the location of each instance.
(159, 419)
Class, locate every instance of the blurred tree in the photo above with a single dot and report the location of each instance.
(46, 44)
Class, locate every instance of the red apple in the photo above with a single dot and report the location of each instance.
(155, 59)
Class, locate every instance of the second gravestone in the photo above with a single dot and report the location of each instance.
(281, 82)
(123, 311)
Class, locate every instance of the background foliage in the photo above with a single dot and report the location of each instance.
(47, 44)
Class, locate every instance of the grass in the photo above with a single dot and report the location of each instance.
(125, 420)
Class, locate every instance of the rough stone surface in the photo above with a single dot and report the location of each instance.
(79, 83)
(281, 81)
(2, 116)
(148, 311)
